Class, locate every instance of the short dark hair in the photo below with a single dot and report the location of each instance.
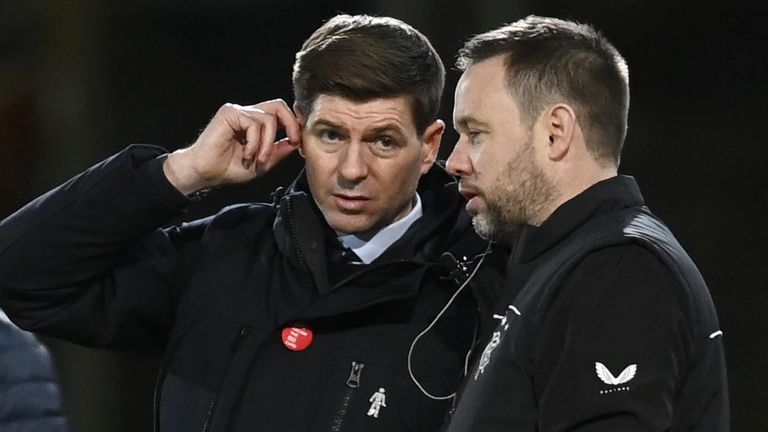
(550, 60)
(363, 57)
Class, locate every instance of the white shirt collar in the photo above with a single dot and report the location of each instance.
(382, 240)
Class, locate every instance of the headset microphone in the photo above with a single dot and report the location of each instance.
(458, 271)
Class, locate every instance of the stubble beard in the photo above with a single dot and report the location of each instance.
(518, 197)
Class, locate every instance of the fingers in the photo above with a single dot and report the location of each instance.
(248, 135)
(268, 133)
(270, 116)
(287, 120)
(280, 150)
(251, 140)
(239, 142)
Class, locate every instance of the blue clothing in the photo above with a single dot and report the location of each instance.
(29, 396)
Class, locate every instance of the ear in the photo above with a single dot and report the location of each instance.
(430, 145)
(303, 122)
(560, 125)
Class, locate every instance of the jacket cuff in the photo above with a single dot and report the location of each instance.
(151, 178)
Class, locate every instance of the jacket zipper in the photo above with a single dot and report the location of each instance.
(244, 333)
(209, 414)
(353, 382)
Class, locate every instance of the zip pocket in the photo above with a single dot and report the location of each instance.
(173, 341)
(245, 331)
(353, 382)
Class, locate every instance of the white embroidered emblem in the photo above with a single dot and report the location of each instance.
(486, 357)
(502, 319)
(607, 377)
(378, 400)
(495, 339)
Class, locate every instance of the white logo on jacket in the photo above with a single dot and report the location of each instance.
(607, 377)
(495, 339)
(378, 400)
(486, 357)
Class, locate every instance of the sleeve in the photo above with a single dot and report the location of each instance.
(87, 262)
(614, 345)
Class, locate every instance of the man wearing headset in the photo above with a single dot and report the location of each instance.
(299, 315)
(604, 324)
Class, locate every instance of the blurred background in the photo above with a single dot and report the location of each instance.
(81, 79)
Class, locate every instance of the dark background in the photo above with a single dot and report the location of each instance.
(81, 79)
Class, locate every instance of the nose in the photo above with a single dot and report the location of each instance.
(352, 165)
(459, 163)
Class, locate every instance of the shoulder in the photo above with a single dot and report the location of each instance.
(620, 304)
(240, 214)
(26, 372)
(624, 261)
(235, 219)
(13, 338)
(623, 275)
(22, 356)
(623, 291)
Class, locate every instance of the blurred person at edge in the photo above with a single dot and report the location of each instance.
(605, 323)
(29, 394)
(302, 314)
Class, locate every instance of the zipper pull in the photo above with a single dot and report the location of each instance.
(277, 195)
(354, 375)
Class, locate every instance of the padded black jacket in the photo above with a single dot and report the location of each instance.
(88, 263)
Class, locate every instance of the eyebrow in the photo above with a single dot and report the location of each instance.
(390, 127)
(327, 123)
(464, 121)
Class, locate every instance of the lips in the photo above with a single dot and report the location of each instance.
(348, 202)
(472, 196)
(468, 191)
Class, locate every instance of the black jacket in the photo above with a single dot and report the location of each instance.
(214, 295)
(29, 395)
(605, 325)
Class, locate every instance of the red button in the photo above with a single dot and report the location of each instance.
(298, 337)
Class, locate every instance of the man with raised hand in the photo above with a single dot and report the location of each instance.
(284, 316)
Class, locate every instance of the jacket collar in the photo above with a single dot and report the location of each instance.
(608, 195)
(301, 232)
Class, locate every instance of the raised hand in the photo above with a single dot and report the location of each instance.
(238, 145)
